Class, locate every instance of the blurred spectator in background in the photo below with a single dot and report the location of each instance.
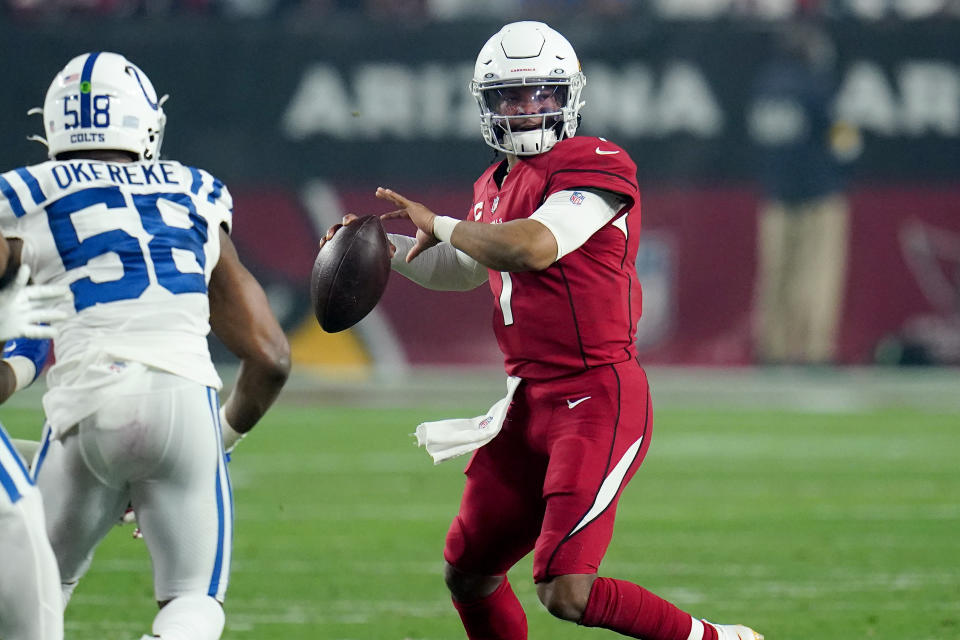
(803, 220)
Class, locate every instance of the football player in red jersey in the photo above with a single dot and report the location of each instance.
(554, 229)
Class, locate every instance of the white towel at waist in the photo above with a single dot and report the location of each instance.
(445, 439)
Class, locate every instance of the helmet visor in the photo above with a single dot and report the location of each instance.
(525, 99)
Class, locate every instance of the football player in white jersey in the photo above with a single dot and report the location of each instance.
(132, 409)
(30, 601)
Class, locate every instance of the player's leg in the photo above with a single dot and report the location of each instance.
(498, 522)
(595, 448)
(30, 601)
(184, 509)
(794, 310)
(772, 290)
(596, 428)
(821, 282)
(80, 508)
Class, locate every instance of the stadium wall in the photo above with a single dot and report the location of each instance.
(696, 263)
(304, 121)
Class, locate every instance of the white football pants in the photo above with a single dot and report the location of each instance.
(157, 445)
(30, 602)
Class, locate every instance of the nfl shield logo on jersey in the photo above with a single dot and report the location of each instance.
(494, 204)
(576, 197)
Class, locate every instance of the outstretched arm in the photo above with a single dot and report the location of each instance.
(560, 225)
(518, 245)
(241, 318)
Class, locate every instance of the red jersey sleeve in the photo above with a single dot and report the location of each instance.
(592, 162)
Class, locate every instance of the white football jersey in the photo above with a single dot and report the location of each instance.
(136, 242)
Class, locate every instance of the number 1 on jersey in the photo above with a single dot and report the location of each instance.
(506, 292)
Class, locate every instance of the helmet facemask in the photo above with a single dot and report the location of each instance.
(525, 119)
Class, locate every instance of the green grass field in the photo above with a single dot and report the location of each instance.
(803, 525)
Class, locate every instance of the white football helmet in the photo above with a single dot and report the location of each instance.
(527, 68)
(101, 100)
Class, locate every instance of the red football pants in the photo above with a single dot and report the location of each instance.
(551, 479)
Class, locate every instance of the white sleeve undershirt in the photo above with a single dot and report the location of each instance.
(442, 267)
(573, 224)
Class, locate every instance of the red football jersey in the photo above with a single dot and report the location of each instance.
(583, 310)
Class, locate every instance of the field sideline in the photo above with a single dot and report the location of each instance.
(838, 520)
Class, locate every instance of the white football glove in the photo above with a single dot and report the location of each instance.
(25, 309)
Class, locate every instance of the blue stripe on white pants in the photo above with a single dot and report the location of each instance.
(44, 448)
(14, 477)
(220, 576)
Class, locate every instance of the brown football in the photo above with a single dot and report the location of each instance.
(350, 274)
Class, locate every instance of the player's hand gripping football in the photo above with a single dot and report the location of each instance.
(417, 213)
(347, 219)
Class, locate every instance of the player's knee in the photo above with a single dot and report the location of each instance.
(566, 596)
(466, 587)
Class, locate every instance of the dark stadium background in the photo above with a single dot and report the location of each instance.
(304, 108)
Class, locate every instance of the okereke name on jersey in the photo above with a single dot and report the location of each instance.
(140, 174)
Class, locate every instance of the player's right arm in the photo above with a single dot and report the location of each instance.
(555, 229)
(242, 319)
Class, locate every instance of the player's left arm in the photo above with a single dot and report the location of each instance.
(242, 319)
(22, 363)
(560, 225)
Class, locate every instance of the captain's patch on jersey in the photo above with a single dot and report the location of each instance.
(576, 197)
